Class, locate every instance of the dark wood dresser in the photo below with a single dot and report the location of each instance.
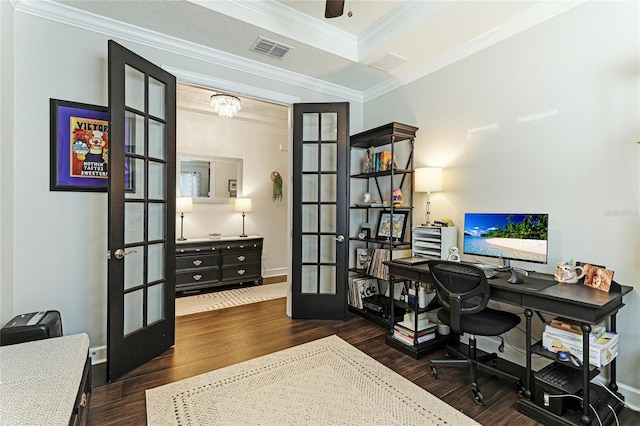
(204, 263)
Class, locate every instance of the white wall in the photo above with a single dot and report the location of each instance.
(59, 239)
(564, 96)
(258, 145)
(6, 159)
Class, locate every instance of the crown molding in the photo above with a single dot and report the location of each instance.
(90, 22)
(283, 20)
(236, 88)
(66, 15)
(517, 24)
(402, 18)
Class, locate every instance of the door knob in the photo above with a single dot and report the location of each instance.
(120, 253)
(340, 238)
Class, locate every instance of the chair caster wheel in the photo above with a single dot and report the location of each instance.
(434, 372)
(477, 397)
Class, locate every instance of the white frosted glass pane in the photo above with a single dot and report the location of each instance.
(133, 88)
(310, 122)
(134, 178)
(133, 267)
(156, 98)
(156, 221)
(133, 222)
(157, 180)
(329, 126)
(309, 218)
(328, 249)
(157, 140)
(155, 263)
(310, 158)
(133, 311)
(309, 283)
(328, 218)
(329, 188)
(155, 303)
(329, 157)
(309, 248)
(327, 280)
(134, 133)
(310, 188)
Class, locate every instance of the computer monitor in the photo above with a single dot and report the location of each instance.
(507, 236)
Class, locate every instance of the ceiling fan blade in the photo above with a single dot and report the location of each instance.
(334, 8)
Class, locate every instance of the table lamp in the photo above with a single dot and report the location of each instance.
(243, 205)
(428, 179)
(183, 205)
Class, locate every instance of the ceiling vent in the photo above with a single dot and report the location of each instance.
(270, 48)
(388, 62)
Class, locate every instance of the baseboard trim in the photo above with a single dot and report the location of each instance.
(274, 279)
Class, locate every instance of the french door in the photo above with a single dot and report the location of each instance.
(142, 195)
(320, 210)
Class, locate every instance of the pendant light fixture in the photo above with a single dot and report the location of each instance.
(225, 105)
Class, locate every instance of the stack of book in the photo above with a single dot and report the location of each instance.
(377, 268)
(406, 335)
(359, 288)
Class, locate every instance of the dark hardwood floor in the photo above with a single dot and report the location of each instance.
(215, 339)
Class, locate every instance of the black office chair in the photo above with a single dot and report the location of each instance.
(463, 292)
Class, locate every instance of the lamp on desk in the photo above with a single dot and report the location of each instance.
(428, 179)
(243, 205)
(183, 205)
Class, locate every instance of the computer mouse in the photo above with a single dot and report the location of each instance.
(567, 356)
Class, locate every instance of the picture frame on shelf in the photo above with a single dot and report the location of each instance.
(386, 222)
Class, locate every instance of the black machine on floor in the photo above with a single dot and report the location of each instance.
(30, 327)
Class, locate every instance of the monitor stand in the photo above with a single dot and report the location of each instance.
(516, 277)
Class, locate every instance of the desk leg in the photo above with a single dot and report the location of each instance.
(586, 330)
(392, 303)
(612, 366)
(528, 313)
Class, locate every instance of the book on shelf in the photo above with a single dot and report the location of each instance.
(359, 288)
(424, 327)
(377, 268)
(409, 340)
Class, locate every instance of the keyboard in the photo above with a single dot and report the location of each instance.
(459, 268)
(560, 377)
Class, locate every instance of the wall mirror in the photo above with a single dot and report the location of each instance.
(215, 180)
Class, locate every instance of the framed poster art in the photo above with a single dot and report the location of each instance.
(79, 147)
(391, 227)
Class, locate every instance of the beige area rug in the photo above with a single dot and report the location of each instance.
(324, 382)
(227, 298)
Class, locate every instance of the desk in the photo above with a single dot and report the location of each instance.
(540, 292)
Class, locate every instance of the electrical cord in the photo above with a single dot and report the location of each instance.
(577, 397)
(614, 414)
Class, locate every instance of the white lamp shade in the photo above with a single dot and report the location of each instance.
(243, 205)
(428, 179)
(184, 204)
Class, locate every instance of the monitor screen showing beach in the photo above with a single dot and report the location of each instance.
(507, 236)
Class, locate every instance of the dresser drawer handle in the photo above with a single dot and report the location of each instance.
(241, 258)
(241, 271)
(198, 249)
(197, 262)
(197, 277)
(83, 399)
(242, 246)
